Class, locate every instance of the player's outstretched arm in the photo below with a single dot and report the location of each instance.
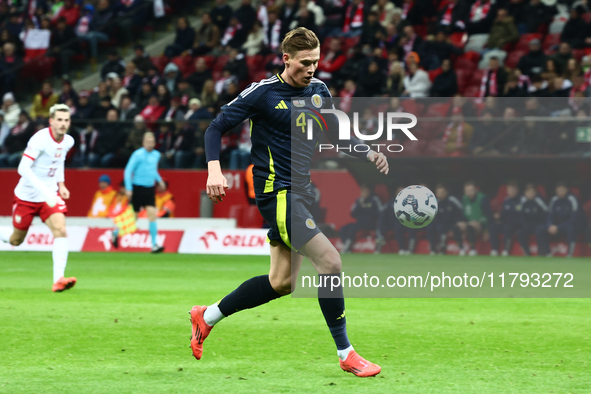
(380, 160)
(216, 182)
(24, 170)
(233, 114)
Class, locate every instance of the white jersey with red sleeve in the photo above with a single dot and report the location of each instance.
(49, 157)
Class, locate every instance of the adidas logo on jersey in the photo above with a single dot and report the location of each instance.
(281, 105)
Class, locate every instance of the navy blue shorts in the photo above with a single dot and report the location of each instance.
(288, 215)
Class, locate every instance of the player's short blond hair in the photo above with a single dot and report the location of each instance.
(148, 134)
(299, 39)
(58, 108)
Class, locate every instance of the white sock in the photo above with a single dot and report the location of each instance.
(60, 257)
(5, 234)
(213, 314)
(344, 353)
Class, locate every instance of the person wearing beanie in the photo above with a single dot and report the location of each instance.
(11, 109)
(102, 198)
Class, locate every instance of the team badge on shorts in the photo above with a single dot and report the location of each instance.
(310, 224)
(317, 101)
(17, 218)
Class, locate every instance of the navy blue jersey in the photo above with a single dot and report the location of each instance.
(449, 211)
(533, 212)
(280, 153)
(563, 210)
(511, 211)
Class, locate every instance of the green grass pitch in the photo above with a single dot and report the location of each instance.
(124, 328)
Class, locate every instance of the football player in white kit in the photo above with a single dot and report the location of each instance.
(41, 190)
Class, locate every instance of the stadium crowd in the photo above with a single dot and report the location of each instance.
(497, 51)
(512, 214)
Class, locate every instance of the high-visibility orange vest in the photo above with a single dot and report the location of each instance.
(118, 205)
(249, 182)
(100, 202)
(164, 204)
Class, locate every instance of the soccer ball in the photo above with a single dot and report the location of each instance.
(415, 206)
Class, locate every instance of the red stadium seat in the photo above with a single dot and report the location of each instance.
(412, 106)
(39, 69)
(420, 30)
(459, 39)
(220, 63)
(438, 109)
(587, 210)
(259, 76)
(463, 76)
(472, 91)
(578, 54)
(185, 64)
(467, 61)
(351, 42)
(523, 43)
(496, 203)
(251, 217)
(513, 58)
(209, 60)
(255, 64)
(477, 77)
(551, 40)
(434, 73)
(381, 191)
(542, 191)
(160, 62)
(236, 213)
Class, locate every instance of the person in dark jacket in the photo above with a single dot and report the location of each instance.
(110, 140)
(449, 213)
(534, 61)
(564, 218)
(113, 64)
(183, 41)
(143, 95)
(142, 60)
(64, 44)
(446, 83)
(436, 51)
(246, 14)
(236, 65)
(84, 109)
(373, 82)
(510, 216)
(9, 67)
(221, 14)
(16, 142)
(534, 212)
(200, 75)
(536, 14)
(575, 29)
(365, 211)
(372, 28)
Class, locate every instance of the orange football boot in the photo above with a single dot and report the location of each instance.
(63, 284)
(359, 366)
(200, 330)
